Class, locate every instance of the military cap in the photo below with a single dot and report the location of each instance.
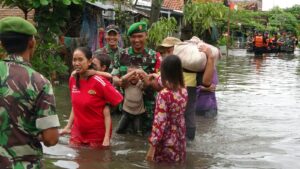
(137, 28)
(113, 28)
(170, 42)
(17, 24)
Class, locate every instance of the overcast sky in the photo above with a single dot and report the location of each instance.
(269, 4)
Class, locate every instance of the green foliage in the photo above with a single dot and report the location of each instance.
(161, 29)
(295, 10)
(203, 16)
(249, 19)
(284, 20)
(222, 41)
(47, 61)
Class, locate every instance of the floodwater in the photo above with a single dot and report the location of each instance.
(258, 125)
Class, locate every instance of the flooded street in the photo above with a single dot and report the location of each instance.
(258, 125)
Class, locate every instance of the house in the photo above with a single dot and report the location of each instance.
(168, 8)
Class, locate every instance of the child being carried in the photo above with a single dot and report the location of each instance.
(133, 108)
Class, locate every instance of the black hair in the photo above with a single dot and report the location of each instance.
(104, 60)
(88, 54)
(14, 43)
(171, 72)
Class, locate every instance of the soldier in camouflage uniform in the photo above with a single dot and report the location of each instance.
(111, 48)
(113, 51)
(143, 57)
(27, 105)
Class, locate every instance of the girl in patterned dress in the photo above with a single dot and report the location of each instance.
(167, 139)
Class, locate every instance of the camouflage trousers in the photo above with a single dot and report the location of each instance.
(148, 118)
(22, 165)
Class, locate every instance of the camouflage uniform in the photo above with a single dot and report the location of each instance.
(113, 55)
(147, 60)
(27, 107)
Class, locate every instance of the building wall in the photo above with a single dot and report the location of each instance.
(5, 11)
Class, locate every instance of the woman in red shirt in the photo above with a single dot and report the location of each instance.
(89, 95)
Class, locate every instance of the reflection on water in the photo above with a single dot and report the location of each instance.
(257, 125)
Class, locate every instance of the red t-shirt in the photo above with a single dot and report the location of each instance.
(88, 102)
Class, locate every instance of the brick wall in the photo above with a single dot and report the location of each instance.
(5, 11)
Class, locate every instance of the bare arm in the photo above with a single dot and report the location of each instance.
(107, 121)
(150, 80)
(210, 65)
(104, 74)
(122, 82)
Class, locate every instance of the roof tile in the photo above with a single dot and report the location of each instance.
(173, 4)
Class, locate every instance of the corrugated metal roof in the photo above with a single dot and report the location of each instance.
(112, 6)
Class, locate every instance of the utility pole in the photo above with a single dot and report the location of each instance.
(228, 29)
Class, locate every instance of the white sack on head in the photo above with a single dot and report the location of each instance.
(215, 51)
(192, 59)
(190, 56)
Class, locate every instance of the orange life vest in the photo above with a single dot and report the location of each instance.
(258, 41)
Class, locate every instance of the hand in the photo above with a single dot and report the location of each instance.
(128, 75)
(64, 131)
(73, 73)
(151, 79)
(153, 76)
(211, 88)
(141, 73)
(106, 142)
(205, 49)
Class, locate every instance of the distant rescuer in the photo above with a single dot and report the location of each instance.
(27, 103)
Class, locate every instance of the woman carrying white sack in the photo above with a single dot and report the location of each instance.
(169, 47)
(193, 60)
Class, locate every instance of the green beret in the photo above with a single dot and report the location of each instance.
(137, 28)
(17, 24)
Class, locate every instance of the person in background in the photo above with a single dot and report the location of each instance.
(89, 97)
(101, 33)
(112, 36)
(27, 103)
(259, 45)
(167, 139)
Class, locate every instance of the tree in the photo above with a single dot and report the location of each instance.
(50, 15)
(159, 30)
(283, 20)
(155, 11)
(201, 17)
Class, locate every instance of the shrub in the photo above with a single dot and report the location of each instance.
(48, 62)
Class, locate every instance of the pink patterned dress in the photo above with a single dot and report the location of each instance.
(168, 128)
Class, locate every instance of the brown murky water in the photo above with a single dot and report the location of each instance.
(258, 125)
